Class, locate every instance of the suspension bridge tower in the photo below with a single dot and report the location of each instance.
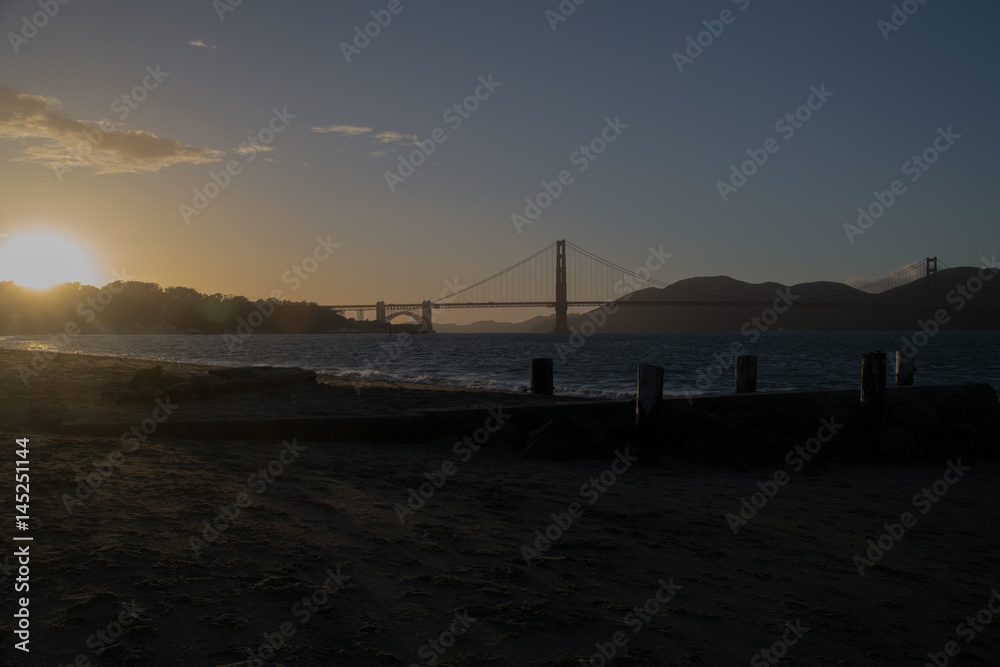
(931, 274)
(562, 307)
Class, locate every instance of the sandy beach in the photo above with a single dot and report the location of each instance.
(226, 552)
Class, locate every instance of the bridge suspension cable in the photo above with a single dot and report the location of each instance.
(909, 273)
(590, 279)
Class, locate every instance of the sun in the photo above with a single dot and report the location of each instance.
(39, 260)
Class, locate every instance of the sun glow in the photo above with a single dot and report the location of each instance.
(39, 260)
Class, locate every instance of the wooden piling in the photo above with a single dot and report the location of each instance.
(873, 388)
(746, 374)
(649, 395)
(904, 369)
(541, 376)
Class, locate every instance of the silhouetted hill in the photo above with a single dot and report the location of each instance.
(818, 306)
(490, 326)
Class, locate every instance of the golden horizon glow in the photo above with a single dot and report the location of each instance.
(40, 260)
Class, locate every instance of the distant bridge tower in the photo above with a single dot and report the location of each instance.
(561, 303)
(932, 291)
(426, 323)
(380, 311)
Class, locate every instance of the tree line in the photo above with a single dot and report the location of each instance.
(141, 307)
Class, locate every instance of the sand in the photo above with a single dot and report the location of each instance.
(328, 525)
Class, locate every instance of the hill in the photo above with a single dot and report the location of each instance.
(818, 306)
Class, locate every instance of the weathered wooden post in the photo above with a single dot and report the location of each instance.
(746, 374)
(904, 369)
(873, 388)
(648, 395)
(541, 376)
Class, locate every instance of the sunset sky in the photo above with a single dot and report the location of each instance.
(208, 83)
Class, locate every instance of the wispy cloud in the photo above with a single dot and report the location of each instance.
(252, 149)
(202, 44)
(54, 138)
(394, 137)
(387, 138)
(347, 130)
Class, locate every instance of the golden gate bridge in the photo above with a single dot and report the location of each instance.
(563, 275)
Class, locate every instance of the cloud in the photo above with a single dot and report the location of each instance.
(395, 137)
(252, 149)
(202, 45)
(385, 138)
(57, 140)
(347, 130)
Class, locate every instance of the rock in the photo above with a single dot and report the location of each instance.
(942, 450)
(918, 419)
(132, 396)
(146, 377)
(508, 437)
(897, 445)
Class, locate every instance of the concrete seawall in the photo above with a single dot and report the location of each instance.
(761, 409)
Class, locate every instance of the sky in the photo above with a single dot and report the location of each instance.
(115, 117)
